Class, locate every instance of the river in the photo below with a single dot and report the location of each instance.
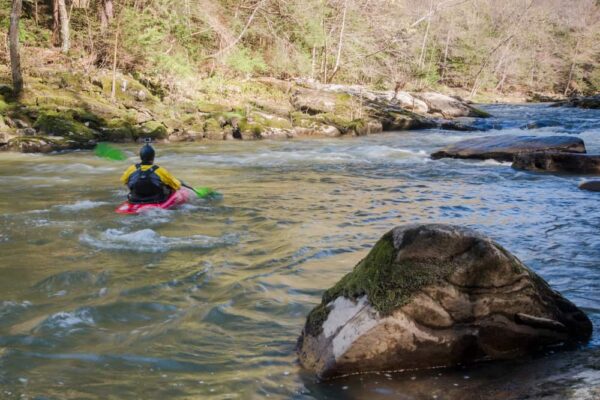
(207, 301)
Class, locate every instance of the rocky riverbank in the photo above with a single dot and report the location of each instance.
(73, 110)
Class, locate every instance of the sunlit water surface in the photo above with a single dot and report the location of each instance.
(209, 300)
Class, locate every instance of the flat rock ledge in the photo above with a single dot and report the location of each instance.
(506, 147)
(591, 186)
(582, 102)
(430, 296)
(567, 163)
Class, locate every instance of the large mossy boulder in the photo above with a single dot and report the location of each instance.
(46, 144)
(63, 125)
(435, 295)
(505, 147)
(566, 163)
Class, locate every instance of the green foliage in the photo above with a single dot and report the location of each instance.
(177, 46)
(242, 60)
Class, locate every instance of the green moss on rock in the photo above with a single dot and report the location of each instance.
(45, 144)
(387, 283)
(63, 124)
(4, 106)
(118, 130)
(344, 125)
(212, 108)
(476, 112)
(151, 129)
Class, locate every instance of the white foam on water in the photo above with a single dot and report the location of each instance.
(78, 168)
(491, 162)
(69, 320)
(81, 205)
(481, 163)
(8, 307)
(148, 217)
(148, 240)
(331, 154)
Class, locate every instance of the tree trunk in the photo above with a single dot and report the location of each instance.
(314, 59)
(105, 10)
(113, 92)
(15, 58)
(108, 9)
(572, 68)
(64, 26)
(340, 43)
(55, 23)
(445, 62)
(425, 36)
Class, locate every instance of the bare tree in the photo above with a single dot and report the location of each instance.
(55, 23)
(340, 42)
(15, 58)
(64, 26)
(106, 12)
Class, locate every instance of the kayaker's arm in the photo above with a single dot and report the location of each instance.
(168, 179)
(126, 174)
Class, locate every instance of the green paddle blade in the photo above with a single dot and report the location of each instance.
(203, 192)
(110, 153)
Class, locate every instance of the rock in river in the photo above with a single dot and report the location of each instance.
(592, 186)
(570, 163)
(505, 147)
(435, 295)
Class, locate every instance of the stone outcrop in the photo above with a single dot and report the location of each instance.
(411, 103)
(448, 107)
(61, 110)
(435, 295)
(592, 186)
(505, 147)
(568, 163)
(582, 102)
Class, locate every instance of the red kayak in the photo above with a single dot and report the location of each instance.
(176, 199)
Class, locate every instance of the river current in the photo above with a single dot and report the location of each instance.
(207, 301)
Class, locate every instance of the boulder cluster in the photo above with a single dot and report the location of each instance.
(554, 154)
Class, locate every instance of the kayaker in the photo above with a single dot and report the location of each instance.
(147, 182)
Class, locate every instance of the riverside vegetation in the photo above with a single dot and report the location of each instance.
(117, 71)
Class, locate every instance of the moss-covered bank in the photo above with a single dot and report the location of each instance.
(59, 106)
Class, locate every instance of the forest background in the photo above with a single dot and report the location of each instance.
(475, 47)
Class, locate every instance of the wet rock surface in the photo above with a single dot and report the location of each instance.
(569, 375)
(569, 163)
(435, 295)
(592, 186)
(505, 147)
(582, 102)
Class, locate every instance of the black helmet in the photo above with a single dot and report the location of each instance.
(147, 154)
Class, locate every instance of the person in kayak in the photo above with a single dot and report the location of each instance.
(147, 182)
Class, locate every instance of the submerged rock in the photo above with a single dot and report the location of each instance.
(592, 186)
(435, 295)
(505, 147)
(570, 163)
